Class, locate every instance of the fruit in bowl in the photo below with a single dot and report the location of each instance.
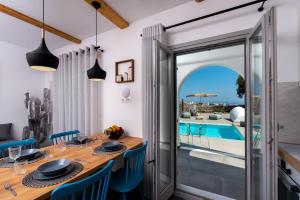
(114, 132)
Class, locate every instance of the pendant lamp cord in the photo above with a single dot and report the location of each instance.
(96, 29)
(43, 31)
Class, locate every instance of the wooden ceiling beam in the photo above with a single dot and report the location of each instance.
(37, 23)
(110, 14)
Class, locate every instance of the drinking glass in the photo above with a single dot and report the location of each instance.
(14, 152)
(20, 167)
(50, 150)
(98, 138)
(61, 144)
(89, 145)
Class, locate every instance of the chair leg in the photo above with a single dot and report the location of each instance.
(141, 190)
(123, 196)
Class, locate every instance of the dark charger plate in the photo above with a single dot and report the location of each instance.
(54, 167)
(39, 176)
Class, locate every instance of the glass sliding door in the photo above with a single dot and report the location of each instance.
(261, 158)
(164, 141)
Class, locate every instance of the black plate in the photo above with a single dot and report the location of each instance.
(79, 140)
(101, 148)
(28, 153)
(39, 176)
(115, 148)
(35, 156)
(111, 145)
(53, 167)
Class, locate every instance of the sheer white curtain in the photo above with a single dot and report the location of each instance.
(76, 99)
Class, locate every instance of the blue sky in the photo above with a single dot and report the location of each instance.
(214, 79)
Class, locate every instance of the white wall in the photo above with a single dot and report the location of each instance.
(289, 112)
(119, 47)
(16, 78)
(125, 44)
(288, 50)
(298, 41)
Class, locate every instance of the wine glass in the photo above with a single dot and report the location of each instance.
(14, 152)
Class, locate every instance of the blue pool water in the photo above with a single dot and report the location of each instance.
(211, 130)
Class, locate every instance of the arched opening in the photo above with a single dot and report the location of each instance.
(222, 88)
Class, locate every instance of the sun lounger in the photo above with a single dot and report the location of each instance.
(215, 116)
(186, 115)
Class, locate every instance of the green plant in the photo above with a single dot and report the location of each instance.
(240, 82)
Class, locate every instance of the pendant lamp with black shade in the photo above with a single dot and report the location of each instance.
(96, 73)
(41, 58)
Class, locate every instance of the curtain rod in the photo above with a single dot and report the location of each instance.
(88, 50)
(261, 8)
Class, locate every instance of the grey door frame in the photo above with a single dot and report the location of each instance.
(268, 27)
(228, 39)
(169, 190)
(271, 83)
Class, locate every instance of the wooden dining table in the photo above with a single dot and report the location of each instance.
(83, 154)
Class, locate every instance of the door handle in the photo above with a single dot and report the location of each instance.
(279, 127)
(283, 167)
(270, 141)
(288, 171)
(151, 161)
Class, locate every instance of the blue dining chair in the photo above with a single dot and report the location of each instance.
(93, 187)
(132, 175)
(66, 136)
(26, 144)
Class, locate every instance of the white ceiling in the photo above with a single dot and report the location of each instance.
(74, 17)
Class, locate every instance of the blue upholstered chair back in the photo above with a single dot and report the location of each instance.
(26, 144)
(93, 187)
(134, 165)
(66, 136)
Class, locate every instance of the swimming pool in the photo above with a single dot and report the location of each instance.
(211, 130)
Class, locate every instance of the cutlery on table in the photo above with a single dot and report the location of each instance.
(8, 187)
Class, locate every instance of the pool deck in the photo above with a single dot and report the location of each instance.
(221, 161)
(210, 175)
(227, 146)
